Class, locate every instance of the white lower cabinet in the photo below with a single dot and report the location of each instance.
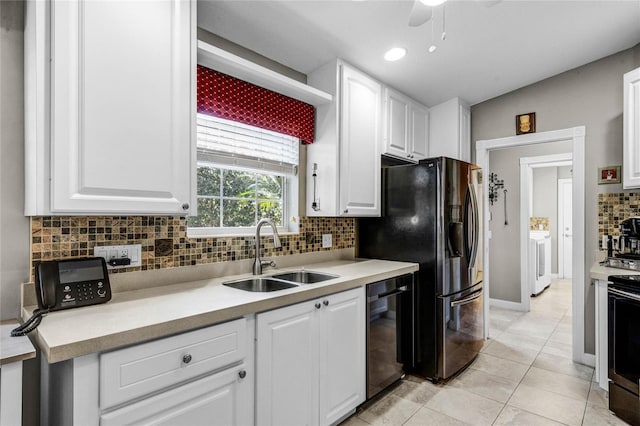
(201, 377)
(310, 361)
(213, 400)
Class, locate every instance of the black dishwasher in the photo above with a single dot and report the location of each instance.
(389, 331)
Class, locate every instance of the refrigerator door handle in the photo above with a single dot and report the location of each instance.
(468, 299)
(476, 225)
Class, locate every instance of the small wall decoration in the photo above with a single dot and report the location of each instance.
(609, 174)
(526, 123)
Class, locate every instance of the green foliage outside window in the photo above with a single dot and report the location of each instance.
(237, 198)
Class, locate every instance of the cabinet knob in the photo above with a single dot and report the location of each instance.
(185, 206)
(318, 305)
(186, 358)
(325, 303)
(242, 374)
(346, 211)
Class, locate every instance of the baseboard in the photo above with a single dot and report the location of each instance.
(506, 304)
(589, 359)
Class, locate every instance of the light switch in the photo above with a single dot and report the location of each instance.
(326, 241)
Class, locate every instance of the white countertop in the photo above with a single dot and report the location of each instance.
(139, 315)
(14, 349)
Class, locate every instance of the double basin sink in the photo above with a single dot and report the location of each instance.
(280, 281)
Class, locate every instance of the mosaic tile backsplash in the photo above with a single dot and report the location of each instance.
(614, 208)
(165, 243)
(539, 223)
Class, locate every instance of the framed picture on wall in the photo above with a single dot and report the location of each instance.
(526, 123)
(609, 174)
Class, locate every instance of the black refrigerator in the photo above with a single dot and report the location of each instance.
(430, 216)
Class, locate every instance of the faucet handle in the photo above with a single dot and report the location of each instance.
(271, 263)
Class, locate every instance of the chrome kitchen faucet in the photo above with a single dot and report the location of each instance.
(257, 263)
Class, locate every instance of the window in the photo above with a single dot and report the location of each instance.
(245, 173)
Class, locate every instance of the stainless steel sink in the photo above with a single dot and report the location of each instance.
(260, 284)
(304, 277)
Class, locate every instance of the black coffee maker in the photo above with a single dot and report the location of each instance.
(629, 243)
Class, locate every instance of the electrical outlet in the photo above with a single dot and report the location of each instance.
(604, 242)
(132, 251)
(326, 241)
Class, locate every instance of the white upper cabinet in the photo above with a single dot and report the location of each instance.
(346, 151)
(450, 130)
(406, 127)
(631, 132)
(110, 121)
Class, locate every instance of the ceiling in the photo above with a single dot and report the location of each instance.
(491, 47)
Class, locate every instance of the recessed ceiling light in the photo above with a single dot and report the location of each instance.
(395, 53)
(433, 2)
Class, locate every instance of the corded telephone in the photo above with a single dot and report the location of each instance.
(64, 284)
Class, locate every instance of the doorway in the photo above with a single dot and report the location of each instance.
(576, 135)
(530, 167)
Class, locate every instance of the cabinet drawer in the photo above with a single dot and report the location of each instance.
(130, 373)
(220, 399)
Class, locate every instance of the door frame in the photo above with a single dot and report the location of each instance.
(527, 164)
(577, 136)
(560, 231)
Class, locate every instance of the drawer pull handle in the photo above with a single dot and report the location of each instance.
(242, 374)
(186, 359)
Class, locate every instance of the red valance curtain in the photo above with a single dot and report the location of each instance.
(227, 97)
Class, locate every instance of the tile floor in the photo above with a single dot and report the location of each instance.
(524, 376)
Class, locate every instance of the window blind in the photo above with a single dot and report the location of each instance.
(232, 143)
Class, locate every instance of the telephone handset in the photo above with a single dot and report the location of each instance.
(64, 284)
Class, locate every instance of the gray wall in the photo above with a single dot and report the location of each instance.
(590, 95)
(504, 244)
(14, 227)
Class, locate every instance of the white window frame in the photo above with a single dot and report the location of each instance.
(290, 195)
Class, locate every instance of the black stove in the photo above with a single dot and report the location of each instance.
(624, 346)
(627, 282)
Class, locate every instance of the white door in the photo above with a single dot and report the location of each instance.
(565, 228)
(342, 354)
(287, 370)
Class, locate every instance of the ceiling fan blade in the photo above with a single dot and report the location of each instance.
(420, 14)
(489, 3)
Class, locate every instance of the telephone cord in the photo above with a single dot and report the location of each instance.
(29, 325)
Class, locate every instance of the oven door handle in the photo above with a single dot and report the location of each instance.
(624, 294)
(399, 290)
(466, 300)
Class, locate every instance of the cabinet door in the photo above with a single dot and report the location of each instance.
(287, 366)
(360, 130)
(631, 131)
(222, 399)
(396, 119)
(342, 355)
(122, 106)
(419, 132)
(465, 133)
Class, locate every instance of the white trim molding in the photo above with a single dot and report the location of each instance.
(577, 136)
